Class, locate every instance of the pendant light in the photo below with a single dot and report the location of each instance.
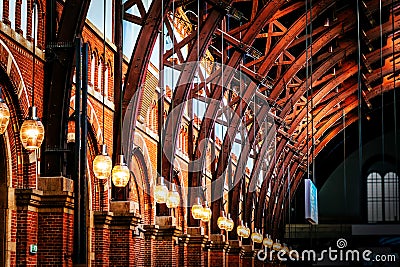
(277, 246)
(241, 230)
(256, 237)
(222, 221)
(206, 212)
(173, 198)
(197, 209)
(161, 191)
(120, 173)
(230, 224)
(102, 164)
(246, 234)
(4, 115)
(32, 130)
(268, 242)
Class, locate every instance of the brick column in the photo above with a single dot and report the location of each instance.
(216, 250)
(28, 202)
(122, 230)
(247, 256)
(149, 241)
(56, 222)
(195, 247)
(233, 253)
(166, 240)
(101, 238)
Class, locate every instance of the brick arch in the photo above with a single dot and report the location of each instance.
(140, 185)
(10, 66)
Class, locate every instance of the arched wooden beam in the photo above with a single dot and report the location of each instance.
(182, 90)
(267, 63)
(58, 88)
(352, 103)
(137, 69)
(208, 122)
(239, 176)
(322, 69)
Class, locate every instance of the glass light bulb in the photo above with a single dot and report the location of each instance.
(120, 174)
(173, 198)
(222, 222)
(197, 210)
(102, 166)
(160, 193)
(4, 117)
(206, 213)
(32, 134)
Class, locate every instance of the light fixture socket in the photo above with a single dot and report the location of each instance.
(120, 160)
(104, 150)
(173, 187)
(160, 180)
(32, 113)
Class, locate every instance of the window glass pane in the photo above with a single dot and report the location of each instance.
(374, 197)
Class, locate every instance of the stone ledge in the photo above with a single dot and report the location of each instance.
(28, 197)
(56, 185)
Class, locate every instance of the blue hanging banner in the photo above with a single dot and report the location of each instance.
(311, 202)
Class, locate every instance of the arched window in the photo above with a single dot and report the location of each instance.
(11, 14)
(383, 197)
(24, 17)
(99, 73)
(1, 10)
(92, 68)
(106, 81)
(391, 192)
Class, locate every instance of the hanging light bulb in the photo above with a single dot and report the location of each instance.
(32, 131)
(247, 232)
(277, 246)
(222, 221)
(268, 242)
(206, 212)
(4, 115)
(229, 223)
(173, 197)
(102, 164)
(256, 237)
(120, 173)
(161, 191)
(241, 230)
(286, 249)
(197, 209)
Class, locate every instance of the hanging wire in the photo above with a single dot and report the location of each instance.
(381, 87)
(104, 63)
(34, 51)
(307, 92)
(312, 98)
(360, 152)
(344, 156)
(395, 110)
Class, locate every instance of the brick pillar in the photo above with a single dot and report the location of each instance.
(166, 240)
(247, 256)
(181, 250)
(233, 253)
(56, 222)
(195, 247)
(216, 250)
(122, 230)
(149, 241)
(101, 238)
(28, 202)
(6, 12)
